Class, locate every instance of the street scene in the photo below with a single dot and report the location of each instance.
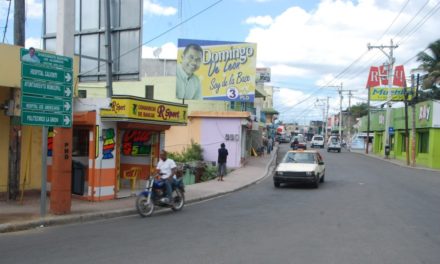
(367, 210)
(239, 131)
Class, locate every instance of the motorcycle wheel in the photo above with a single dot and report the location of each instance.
(178, 200)
(144, 207)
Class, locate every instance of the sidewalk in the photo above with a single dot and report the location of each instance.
(15, 216)
(401, 163)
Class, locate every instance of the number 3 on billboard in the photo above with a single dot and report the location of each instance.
(232, 93)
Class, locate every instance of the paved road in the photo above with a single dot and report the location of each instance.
(367, 211)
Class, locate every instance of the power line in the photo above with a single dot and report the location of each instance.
(6, 23)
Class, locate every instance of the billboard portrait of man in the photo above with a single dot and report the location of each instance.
(188, 83)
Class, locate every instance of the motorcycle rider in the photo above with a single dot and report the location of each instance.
(167, 169)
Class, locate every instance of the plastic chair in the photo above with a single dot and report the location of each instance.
(132, 174)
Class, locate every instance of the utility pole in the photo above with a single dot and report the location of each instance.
(326, 118)
(15, 124)
(390, 84)
(323, 111)
(340, 113)
(349, 120)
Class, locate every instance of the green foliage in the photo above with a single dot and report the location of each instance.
(359, 110)
(193, 153)
(209, 173)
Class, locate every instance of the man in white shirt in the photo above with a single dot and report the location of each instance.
(167, 168)
(188, 84)
(31, 57)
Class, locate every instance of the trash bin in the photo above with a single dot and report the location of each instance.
(78, 177)
(387, 151)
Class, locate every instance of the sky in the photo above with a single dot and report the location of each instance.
(313, 47)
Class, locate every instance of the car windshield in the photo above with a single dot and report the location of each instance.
(298, 157)
(335, 140)
(318, 138)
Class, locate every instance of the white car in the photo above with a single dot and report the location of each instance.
(317, 141)
(334, 144)
(300, 166)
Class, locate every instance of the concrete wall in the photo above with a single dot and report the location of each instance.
(215, 130)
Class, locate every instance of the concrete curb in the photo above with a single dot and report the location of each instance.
(68, 219)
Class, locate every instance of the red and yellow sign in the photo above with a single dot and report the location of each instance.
(157, 112)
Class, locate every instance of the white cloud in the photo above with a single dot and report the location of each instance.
(34, 9)
(259, 20)
(33, 42)
(154, 8)
(285, 70)
(322, 43)
(167, 51)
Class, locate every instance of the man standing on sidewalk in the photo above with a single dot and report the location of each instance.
(222, 156)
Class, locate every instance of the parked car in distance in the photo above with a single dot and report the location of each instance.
(317, 141)
(298, 143)
(334, 144)
(305, 166)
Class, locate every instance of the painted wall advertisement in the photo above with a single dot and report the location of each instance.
(216, 70)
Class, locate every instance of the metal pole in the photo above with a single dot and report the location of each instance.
(413, 124)
(406, 126)
(340, 113)
(108, 46)
(326, 118)
(349, 121)
(43, 171)
(368, 123)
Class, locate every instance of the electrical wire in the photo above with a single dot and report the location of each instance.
(6, 23)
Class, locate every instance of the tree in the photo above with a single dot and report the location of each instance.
(359, 110)
(430, 62)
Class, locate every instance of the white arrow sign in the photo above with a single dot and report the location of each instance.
(68, 77)
(66, 120)
(67, 92)
(66, 106)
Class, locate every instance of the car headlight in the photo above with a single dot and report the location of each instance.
(279, 173)
(310, 173)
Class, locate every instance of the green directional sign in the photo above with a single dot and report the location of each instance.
(34, 71)
(46, 104)
(31, 86)
(47, 59)
(46, 89)
(46, 119)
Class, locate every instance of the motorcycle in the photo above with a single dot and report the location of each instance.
(155, 190)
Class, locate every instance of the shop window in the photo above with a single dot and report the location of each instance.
(403, 138)
(80, 142)
(423, 142)
(149, 91)
(136, 143)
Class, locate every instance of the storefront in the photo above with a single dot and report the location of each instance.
(427, 133)
(115, 148)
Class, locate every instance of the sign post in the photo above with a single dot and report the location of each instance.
(46, 98)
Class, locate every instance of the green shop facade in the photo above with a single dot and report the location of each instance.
(427, 124)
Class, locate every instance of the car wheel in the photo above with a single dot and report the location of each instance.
(328, 150)
(322, 178)
(276, 184)
(339, 151)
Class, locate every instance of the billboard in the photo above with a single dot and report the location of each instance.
(216, 70)
(378, 84)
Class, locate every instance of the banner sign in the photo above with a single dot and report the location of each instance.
(216, 70)
(378, 84)
(263, 75)
(125, 109)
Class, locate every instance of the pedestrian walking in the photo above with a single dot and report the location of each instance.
(221, 160)
(269, 145)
